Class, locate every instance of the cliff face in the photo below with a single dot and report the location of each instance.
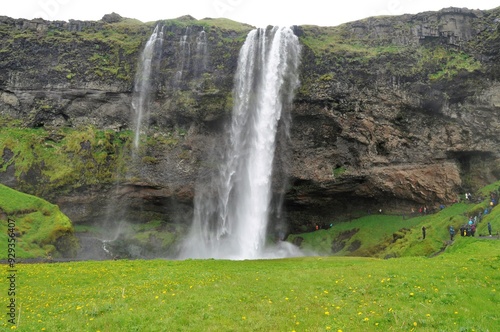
(392, 113)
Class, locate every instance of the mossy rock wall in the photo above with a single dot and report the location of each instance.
(391, 111)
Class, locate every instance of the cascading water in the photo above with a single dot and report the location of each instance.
(185, 53)
(112, 227)
(231, 216)
(201, 56)
(142, 86)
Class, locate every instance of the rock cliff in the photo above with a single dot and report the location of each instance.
(392, 113)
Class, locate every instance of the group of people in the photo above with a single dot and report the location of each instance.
(469, 229)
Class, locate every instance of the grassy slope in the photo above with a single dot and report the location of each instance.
(38, 223)
(395, 236)
(456, 291)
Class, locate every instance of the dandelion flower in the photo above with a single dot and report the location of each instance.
(327, 313)
(414, 323)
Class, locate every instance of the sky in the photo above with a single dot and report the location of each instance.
(254, 12)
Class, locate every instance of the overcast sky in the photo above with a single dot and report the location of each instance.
(255, 12)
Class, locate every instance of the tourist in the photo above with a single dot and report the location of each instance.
(489, 228)
(452, 232)
(423, 232)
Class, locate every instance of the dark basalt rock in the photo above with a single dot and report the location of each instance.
(392, 112)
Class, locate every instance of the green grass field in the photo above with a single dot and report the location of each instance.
(455, 291)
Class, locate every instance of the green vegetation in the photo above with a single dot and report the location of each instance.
(456, 291)
(323, 40)
(338, 46)
(398, 236)
(445, 63)
(48, 159)
(368, 231)
(226, 24)
(339, 171)
(114, 44)
(98, 50)
(219, 23)
(106, 50)
(41, 229)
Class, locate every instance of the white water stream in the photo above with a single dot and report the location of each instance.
(142, 85)
(231, 217)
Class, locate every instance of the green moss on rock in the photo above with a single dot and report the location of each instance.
(41, 229)
(48, 161)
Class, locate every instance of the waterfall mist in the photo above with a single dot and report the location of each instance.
(116, 223)
(231, 214)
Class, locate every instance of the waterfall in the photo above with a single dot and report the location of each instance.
(231, 215)
(201, 56)
(142, 84)
(117, 212)
(185, 53)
